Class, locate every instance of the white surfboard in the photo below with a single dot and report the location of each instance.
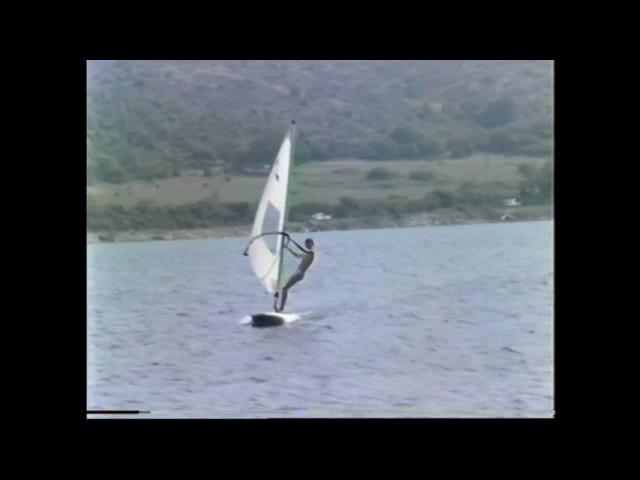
(273, 319)
(285, 318)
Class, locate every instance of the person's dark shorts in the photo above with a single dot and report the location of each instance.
(296, 277)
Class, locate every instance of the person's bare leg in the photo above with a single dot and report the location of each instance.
(285, 291)
(283, 299)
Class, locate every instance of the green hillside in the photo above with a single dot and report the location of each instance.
(154, 119)
(184, 144)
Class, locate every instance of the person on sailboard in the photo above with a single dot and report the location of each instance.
(307, 256)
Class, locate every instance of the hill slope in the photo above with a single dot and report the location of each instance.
(155, 119)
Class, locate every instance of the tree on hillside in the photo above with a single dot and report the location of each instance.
(261, 151)
(303, 153)
(108, 170)
(404, 135)
(497, 113)
(429, 148)
(379, 173)
(459, 147)
(347, 207)
(536, 186)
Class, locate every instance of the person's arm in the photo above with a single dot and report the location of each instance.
(299, 246)
(297, 255)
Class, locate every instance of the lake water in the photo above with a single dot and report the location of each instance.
(452, 321)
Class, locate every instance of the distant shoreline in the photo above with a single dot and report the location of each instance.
(437, 218)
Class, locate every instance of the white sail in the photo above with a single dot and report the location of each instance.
(265, 252)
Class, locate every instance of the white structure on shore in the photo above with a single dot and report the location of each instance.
(512, 202)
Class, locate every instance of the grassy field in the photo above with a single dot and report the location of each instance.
(325, 182)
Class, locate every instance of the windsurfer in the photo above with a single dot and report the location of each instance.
(307, 255)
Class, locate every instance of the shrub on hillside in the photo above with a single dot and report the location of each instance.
(497, 113)
(439, 199)
(380, 173)
(421, 175)
(406, 135)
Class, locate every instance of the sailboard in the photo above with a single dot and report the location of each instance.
(268, 233)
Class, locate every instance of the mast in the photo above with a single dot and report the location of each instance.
(292, 135)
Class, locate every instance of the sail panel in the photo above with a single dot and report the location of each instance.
(264, 252)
